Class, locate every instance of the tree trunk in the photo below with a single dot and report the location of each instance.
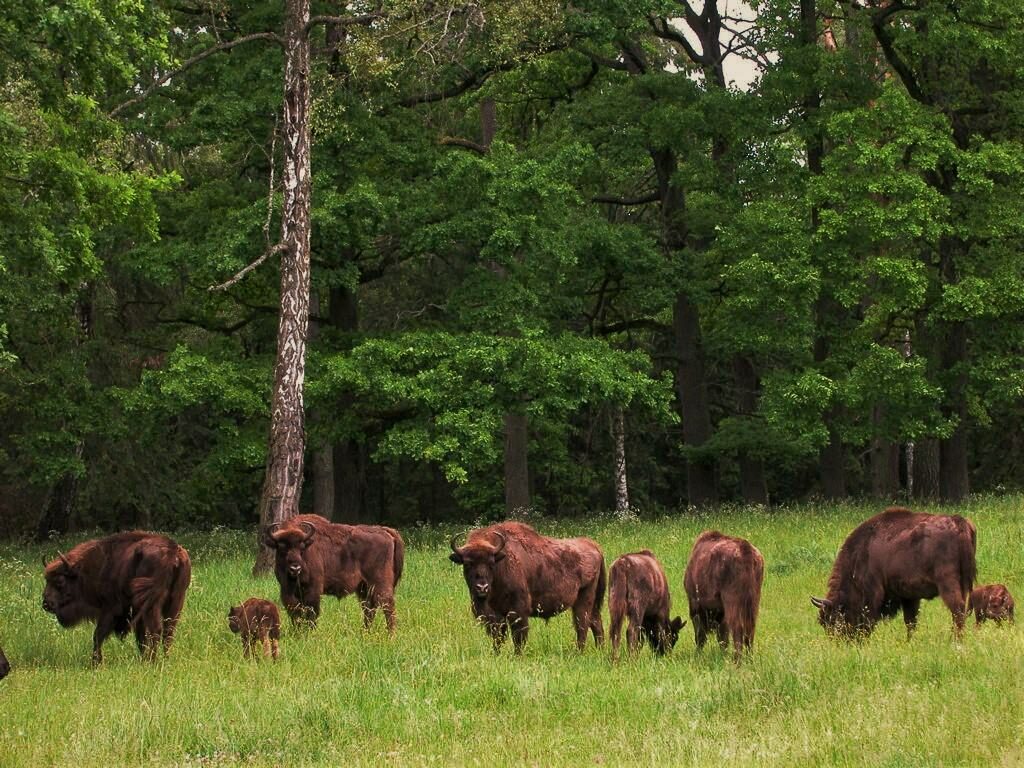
(885, 469)
(282, 487)
(322, 469)
(701, 480)
(59, 504)
(926, 469)
(619, 444)
(832, 465)
(350, 483)
(517, 471)
(753, 486)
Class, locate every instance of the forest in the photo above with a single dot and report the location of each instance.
(427, 262)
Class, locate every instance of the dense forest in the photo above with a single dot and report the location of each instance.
(559, 256)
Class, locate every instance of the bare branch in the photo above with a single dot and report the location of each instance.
(343, 21)
(274, 249)
(666, 31)
(647, 197)
(273, 37)
(454, 141)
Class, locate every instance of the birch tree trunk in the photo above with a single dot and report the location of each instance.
(282, 487)
(619, 441)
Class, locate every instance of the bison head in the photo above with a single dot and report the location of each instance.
(478, 561)
(234, 619)
(663, 638)
(62, 595)
(5, 667)
(834, 615)
(290, 545)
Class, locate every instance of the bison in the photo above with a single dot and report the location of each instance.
(128, 581)
(992, 601)
(315, 557)
(5, 666)
(256, 620)
(893, 561)
(723, 585)
(639, 590)
(514, 573)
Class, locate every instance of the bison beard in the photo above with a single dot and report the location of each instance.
(893, 561)
(513, 573)
(128, 581)
(639, 591)
(992, 601)
(315, 557)
(723, 585)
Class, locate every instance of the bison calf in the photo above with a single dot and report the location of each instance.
(5, 666)
(256, 620)
(639, 590)
(992, 601)
(723, 585)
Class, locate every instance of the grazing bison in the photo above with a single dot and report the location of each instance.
(992, 601)
(316, 557)
(128, 581)
(5, 666)
(893, 561)
(723, 585)
(639, 590)
(513, 573)
(256, 620)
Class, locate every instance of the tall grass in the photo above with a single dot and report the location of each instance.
(435, 694)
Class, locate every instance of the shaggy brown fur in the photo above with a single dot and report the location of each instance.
(639, 590)
(992, 601)
(256, 620)
(723, 585)
(514, 573)
(315, 557)
(5, 666)
(893, 561)
(128, 581)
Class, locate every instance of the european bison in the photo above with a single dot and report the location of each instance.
(5, 666)
(128, 581)
(723, 585)
(513, 573)
(893, 561)
(992, 601)
(316, 557)
(256, 620)
(639, 590)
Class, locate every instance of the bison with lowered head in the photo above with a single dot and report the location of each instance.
(316, 557)
(639, 590)
(893, 561)
(992, 601)
(514, 573)
(128, 581)
(723, 585)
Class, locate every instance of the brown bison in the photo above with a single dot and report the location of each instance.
(992, 601)
(513, 573)
(256, 620)
(723, 585)
(893, 561)
(5, 666)
(639, 590)
(128, 581)
(316, 557)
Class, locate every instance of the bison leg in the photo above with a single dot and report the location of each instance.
(387, 605)
(700, 628)
(520, 631)
(147, 633)
(722, 631)
(633, 639)
(266, 643)
(246, 646)
(597, 626)
(581, 620)
(910, 611)
(616, 632)
(274, 650)
(104, 626)
(956, 602)
(498, 630)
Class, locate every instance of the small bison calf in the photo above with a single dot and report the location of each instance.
(992, 601)
(5, 667)
(639, 591)
(256, 619)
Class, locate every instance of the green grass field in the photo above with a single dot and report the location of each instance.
(436, 695)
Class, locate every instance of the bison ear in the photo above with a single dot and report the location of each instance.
(499, 555)
(821, 602)
(678, 623)
(456, 557)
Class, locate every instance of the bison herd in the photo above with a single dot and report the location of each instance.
(136, 582)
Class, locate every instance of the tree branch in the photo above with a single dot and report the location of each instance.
(454, 141)
(246, 270)
(667, 32)
(646, 197)
(343, 21)
(273, 37)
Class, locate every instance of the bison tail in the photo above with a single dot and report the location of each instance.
(618, 597)
(399, 562)
(179, 585)
(968, 547)
(602, 585)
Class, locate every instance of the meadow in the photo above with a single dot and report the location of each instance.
(436, 695)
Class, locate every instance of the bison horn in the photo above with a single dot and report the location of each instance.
(504, 541)
(452, 543)
(308, 528)
(63, 559)
(43, 558)
(821, 602)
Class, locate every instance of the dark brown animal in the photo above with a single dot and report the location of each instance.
(639, 590)
(723, 585)
(893, 561)
(256, 620)
(992, 601)
(5, 667)
(128, 581)
(514, 573)
(316, 557)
